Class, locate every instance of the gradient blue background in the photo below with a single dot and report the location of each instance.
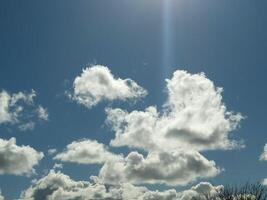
(45, 44)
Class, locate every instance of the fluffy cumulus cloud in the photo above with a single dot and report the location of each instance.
(170, 168)
(263, 156)
(198, 115)
(97, 84)
(20, 109)
(17, 160)
(194, 115)
(86, 152)
(177, 167)
(57, 185)
(193, 119)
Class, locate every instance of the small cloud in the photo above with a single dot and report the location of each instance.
(58, 166)
(33, 181)
(97, 83)
(20, 110)
(51, 151)
(264, 182)
(263, 156)
(42, 113)
(1, 197)
(28, 126)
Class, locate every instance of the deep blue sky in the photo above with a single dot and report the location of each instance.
(45, 44)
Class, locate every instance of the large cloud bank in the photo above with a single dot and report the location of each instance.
(20, 109)
(97, 84)
(17, 160)
(57, 185)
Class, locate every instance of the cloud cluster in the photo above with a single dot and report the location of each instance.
(177, 167)
(57, 185)
(97, 84)
(20, 109)
(193, 119)
(194, 116)
(86, 152)
(17, 160)
(165, 144)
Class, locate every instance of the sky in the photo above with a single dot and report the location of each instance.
(93, 74)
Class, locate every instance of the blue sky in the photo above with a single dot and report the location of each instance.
(45, 45)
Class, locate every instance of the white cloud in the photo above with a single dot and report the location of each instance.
(10, 105)
(51, 151)
(1, 197)
(17, 160)
(57, 185)
(263, 156)
(22, 96)
(97, 84)
(170, 168)
(193, 119)
(86, 152)
(5, 116)
(197, 114)
(135, 129)
(19, 109)
(201, 191)
(264, 182)
(194, 115)
(58, 166)
(27, 126)
(42, 113)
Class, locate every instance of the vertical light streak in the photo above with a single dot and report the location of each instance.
(167, 54)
